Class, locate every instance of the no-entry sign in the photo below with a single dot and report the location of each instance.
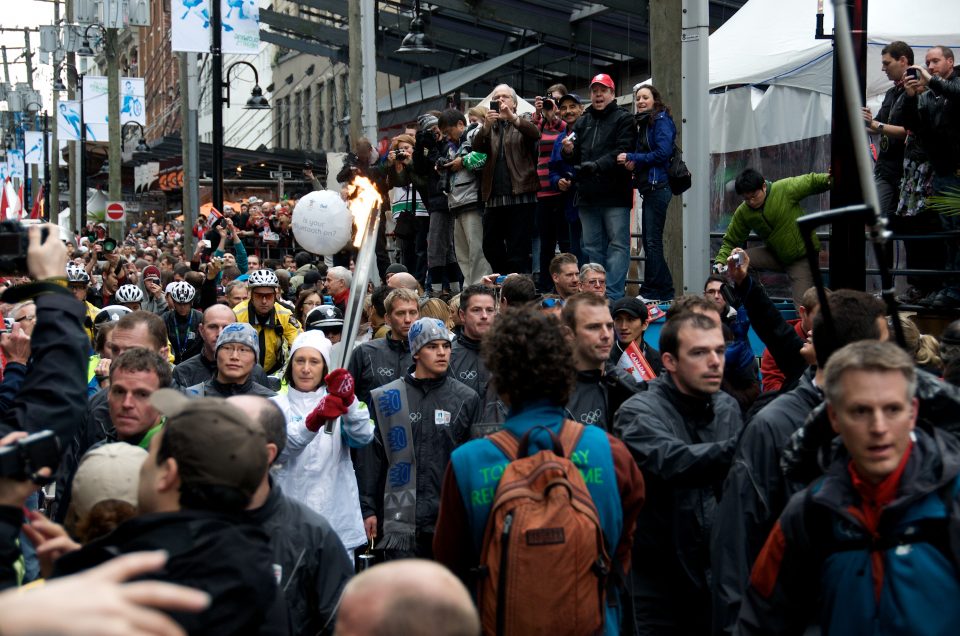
(116, 211)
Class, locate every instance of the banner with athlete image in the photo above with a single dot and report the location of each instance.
(190, 26)
(15, 164)
(96, 107)
(633, 362)
(132, 101)
(96, 104)
(33, 142)
(68, 120)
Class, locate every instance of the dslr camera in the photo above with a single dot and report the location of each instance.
(22, 459)
(13, 248)
(444, 174)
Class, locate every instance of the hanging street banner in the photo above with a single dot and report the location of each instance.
(132, 100)
(15, 164)
(96, 104)
(190, 26)
(145, 175)
(95, 107)
(33, 142)
(68, 121)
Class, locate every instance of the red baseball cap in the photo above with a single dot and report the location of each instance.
(604, 79)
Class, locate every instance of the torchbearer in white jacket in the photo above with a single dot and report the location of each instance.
(316, 468)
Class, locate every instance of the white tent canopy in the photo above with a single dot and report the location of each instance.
(771, 43)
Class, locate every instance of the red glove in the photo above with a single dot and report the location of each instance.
(330, 408)
(340, 383)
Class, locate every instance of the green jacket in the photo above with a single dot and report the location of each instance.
(775, 222)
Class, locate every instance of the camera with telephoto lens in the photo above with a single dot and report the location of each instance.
(22, 459)
(107, 243)
(13, 247)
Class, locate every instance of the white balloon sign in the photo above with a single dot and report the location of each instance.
(322, 224)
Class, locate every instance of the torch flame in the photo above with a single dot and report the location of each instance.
(363, 199)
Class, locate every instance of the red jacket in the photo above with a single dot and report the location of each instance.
(771, 378)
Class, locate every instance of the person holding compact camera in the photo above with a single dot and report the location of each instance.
(563, 174)
(551, 222)
(509, 183)
(933, 115)
(407, 203)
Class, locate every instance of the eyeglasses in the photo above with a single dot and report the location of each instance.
(550, 303)
(596, 282)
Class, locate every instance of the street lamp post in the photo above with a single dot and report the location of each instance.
(142, 144)
(216, 68)
(46, 169)
(256, 102)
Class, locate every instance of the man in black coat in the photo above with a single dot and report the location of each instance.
(606, 194)
(682, 431)
(601, 387)
(309, 561)
(201, 473)
(478, 308)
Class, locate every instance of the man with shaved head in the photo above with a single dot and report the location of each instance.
(199, 369)
(403, 280)
(412, 597)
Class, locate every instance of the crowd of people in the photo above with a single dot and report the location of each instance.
(513, 455)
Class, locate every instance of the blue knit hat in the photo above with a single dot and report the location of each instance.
(426, 330)
(242, 333)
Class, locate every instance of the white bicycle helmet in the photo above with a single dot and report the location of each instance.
(110, 313)
(129, 294)
(181, 291)
(76, 274)
(263, 278)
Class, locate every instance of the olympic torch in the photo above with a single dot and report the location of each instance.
(364, 203)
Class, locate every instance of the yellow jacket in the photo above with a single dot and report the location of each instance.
(277, 333)
(92, 311)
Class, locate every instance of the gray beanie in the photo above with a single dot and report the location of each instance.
(426, 330)
(426, 122)
(242, 333)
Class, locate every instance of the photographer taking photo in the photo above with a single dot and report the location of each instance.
(54, 389)
(430, 155)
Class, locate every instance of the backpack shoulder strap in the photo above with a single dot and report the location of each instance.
(508, 444)
(570, 434)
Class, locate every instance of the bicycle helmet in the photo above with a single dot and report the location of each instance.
(110, 313)
(76, 274)
(181, 291)
(129, 294)
(324, 317)
(263, 278)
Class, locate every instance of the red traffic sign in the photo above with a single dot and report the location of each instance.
(116, 211)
